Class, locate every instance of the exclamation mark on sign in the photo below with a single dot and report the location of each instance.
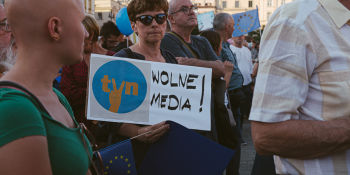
(201, 102)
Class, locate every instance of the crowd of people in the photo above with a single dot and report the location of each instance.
(294, 89)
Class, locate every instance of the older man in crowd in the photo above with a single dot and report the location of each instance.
(223, 24)
(189, 49)
(185, 46)
(300, 110)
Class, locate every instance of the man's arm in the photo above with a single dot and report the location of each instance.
(217, 66)
(302, 139)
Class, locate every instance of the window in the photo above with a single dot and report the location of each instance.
(100, 17)
(250, 4)
(268, 15)
(283, 2)
(237, 4)
(269, 3)
(224, 4)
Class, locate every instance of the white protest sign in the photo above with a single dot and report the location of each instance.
(205, 20)
(143, 92)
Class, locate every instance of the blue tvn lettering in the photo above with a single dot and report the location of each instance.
(119, 86)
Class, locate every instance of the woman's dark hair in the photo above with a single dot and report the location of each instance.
(109, 28)
(213, 37)
(136, 7)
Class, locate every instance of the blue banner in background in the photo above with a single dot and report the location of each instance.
(245, 22)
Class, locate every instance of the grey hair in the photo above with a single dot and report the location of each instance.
(220, 21)
(8, 55)
(172, 6)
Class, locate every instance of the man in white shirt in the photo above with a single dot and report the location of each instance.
(245, 65)
(301, 104)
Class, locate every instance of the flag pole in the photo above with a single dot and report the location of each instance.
(135, 137)
(257, 8)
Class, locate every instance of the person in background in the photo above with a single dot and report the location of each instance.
(216, 43)
(111, 38)
(224, 24)
(185, 46)
(245, 65)
(35, 140)
(191, 49)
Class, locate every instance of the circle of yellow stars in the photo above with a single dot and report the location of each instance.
(245, 16)
(126, 160)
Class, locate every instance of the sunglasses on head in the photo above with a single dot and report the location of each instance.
(148, 19)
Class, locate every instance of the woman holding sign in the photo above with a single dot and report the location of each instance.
(148, 20)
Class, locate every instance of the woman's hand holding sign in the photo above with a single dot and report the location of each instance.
(147, 134)
(152, 133)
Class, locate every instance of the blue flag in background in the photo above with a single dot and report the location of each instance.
(245, 22)
(118, 159)
(184, 152)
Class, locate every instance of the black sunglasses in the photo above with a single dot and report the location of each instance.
(148, 19)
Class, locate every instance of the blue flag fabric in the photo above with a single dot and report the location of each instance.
(246, 22)
(118, 159)
(183, 151)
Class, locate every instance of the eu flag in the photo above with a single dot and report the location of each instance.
(246, 22)
(118, 159)
(184, 152)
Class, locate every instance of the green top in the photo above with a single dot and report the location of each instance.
(20, 118)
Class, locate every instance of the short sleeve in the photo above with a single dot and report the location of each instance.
(283, 77)
(19, 118)
(173, 45)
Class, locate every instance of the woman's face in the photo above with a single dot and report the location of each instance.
(150, 31)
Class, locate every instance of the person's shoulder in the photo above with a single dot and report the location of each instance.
(168, 56)
(295, 13)
(169, 37)
(198, 38)
(19, 116)
(122, 53)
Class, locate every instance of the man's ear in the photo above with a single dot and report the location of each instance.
(55, 28)
(171, 19)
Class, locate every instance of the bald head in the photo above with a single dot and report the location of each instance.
(49, 23)
(172, 6)
(31, 16)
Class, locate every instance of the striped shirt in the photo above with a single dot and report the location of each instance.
(304, 74)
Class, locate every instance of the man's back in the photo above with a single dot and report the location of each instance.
(304, 75)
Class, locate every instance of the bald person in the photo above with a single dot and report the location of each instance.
(33, 140)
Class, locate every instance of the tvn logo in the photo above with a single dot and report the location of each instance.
(116, 94)
(119, 86)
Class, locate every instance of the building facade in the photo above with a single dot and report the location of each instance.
(266, 7)
(89, 6)
(106, 10)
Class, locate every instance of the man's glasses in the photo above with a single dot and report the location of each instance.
(148, 19)
(187, 10)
